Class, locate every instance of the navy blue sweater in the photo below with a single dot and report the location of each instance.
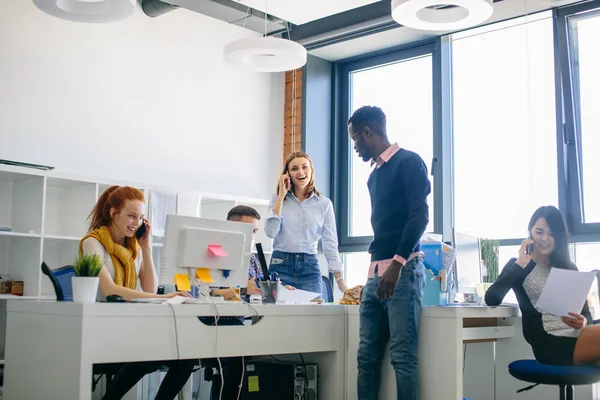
(399, 210)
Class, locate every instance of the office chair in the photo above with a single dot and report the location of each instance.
(61, 280)
(563, 376)
(326, 289)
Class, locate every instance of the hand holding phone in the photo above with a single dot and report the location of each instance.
(525, 252)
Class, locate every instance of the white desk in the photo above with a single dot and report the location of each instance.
(51, 347)
(441, 335)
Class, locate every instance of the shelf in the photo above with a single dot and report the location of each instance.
(11, 297)
(19, 234)
(66, 238)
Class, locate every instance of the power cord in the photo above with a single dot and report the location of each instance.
(305, 377)
(176, 332)
(239, 396)
(217, 317)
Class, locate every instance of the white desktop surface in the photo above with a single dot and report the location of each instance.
(51, 346)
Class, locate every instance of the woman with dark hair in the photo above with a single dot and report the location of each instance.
(557, 340)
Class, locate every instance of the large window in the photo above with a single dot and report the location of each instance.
(583, 32)
(404, 91)
(401, 83)
(505, 159)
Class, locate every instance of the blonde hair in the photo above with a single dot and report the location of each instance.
(310, 188)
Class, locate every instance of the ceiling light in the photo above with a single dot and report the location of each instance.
(88, 10)
(265, 54)
(431, 15)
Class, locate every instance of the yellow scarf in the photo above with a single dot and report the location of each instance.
(122, 258)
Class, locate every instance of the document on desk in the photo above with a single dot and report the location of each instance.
(565, 291)
(286, 296)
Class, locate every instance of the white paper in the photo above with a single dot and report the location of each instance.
(188, 204)
(565, 291)
(286, 296)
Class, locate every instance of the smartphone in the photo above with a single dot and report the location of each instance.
(529, 248)
(141, 231)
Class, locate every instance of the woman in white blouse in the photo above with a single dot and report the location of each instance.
(298, 217)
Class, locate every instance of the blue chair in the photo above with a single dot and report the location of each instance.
(61, 280)
(326, 289)
(563, 376)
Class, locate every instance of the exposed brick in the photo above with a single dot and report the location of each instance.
(292, 113)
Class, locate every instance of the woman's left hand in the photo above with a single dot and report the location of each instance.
(144, 241)
(575, 321)
(342, 285)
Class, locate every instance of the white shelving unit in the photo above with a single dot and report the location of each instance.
(48, 214)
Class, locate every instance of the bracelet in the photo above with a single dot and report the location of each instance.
(339, 279)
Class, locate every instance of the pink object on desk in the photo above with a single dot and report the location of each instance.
(217, 250)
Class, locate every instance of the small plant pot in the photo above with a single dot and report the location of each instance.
(85, 288)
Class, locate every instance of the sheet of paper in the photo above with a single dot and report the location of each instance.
(183, 282)
(565, 291)
(286, 296)
(204, 275)
(176, 300)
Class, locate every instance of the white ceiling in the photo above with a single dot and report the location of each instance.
(402, 35)
(302, 11)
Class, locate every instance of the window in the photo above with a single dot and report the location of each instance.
(505, 158)
(586, 259)
(401, 83)
(356, 268)
(409, 123)
(584, 31)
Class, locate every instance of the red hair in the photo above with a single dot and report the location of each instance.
(113, 197)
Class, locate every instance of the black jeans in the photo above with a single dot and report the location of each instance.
(130, 373)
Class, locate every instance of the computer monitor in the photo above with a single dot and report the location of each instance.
(468, 262)
(221, 249)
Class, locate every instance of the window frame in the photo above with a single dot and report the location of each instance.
(568, 125)
(341, 166)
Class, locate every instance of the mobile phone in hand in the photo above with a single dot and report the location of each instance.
(141, 231)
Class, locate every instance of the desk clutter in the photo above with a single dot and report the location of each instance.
(352, 296)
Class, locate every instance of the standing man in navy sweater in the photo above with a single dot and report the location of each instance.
(391, 301)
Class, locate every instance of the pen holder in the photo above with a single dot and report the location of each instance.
(269, 291)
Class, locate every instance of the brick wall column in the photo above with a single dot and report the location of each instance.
(292, 136)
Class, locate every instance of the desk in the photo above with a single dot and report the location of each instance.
(441, 335)
(51, 346)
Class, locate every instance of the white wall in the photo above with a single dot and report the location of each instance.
(144, 100)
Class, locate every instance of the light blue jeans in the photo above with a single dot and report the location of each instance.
(396, 320)
(297, 269)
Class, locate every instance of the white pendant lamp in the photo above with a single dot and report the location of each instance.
(265, 54)
(98, 11)
(422, 14)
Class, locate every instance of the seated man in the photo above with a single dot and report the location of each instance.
(250, 216)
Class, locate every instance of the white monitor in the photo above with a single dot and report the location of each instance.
(468, 262)
(222, 247)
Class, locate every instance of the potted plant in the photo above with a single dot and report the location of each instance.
(85, 283)
(489, 255)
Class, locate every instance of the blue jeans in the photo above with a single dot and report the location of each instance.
(396, 320)
(299, 270)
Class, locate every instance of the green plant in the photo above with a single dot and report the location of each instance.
(88, 265)
(489, 256)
